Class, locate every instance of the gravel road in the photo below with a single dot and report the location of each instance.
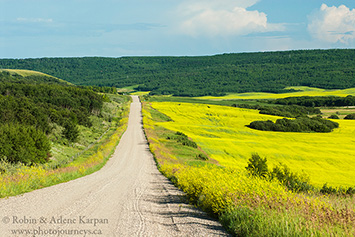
(127, 197)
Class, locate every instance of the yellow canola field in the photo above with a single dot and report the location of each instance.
(302, 91)
(221, 132)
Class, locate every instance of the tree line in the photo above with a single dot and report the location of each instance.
(290, 111)
(205, 75)
(317, 101)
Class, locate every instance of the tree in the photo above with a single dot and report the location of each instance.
(257, 166)
(23, 143)
(71, 131)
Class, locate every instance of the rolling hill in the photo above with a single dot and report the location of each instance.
(28, 76)
(205, 75)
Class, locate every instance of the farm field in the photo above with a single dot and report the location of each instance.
(245, 205)
(301, 91)
(24, 73)
(221, 132)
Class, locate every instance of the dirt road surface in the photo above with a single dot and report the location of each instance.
(127, 197)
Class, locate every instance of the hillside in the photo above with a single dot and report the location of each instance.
(40, 113)
(205, 75)
(27, 76)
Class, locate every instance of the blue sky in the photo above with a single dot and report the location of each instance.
(115, 28)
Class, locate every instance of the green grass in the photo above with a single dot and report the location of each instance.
(26, 73)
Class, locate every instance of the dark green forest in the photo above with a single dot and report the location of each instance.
(205, 75)
(300, 124)
(291, 111)
(29, 109)
(317, 101)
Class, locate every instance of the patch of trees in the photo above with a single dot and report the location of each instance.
(300, 124)
(318, 101)
(333, 116)
(290, 111)
(28, 113)
(206, 75)
(23, 143)
(350, 116)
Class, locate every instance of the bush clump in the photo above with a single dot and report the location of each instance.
(293, 181)
(202, 156)
(257, 166)
(183, 139)
(333, 116)
(301, 124)
(296, 182)
(23, 143)
(350, 116)
(337, 191)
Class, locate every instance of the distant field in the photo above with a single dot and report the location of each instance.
(26, 73)
(303, 91)
(341, 112)
(221, 132)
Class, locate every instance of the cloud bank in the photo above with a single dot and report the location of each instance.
(333, 24)
(223, 18)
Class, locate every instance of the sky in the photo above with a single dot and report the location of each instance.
(115, 28)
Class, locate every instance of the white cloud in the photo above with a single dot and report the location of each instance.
(223, 18)
(333, 24)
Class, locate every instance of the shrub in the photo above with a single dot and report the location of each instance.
(333, 116)
(350, 116)
(328, 189)
(184, 140)
(293, 181)
(202, 156)
(338, 191)
(257, 166)
(71, 131)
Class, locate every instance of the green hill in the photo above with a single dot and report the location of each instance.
(205, 75)
(37, 111)
(28, 76)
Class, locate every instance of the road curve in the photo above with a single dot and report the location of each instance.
(127, 197)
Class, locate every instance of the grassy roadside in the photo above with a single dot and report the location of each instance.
(246, 206)
(25, 179)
